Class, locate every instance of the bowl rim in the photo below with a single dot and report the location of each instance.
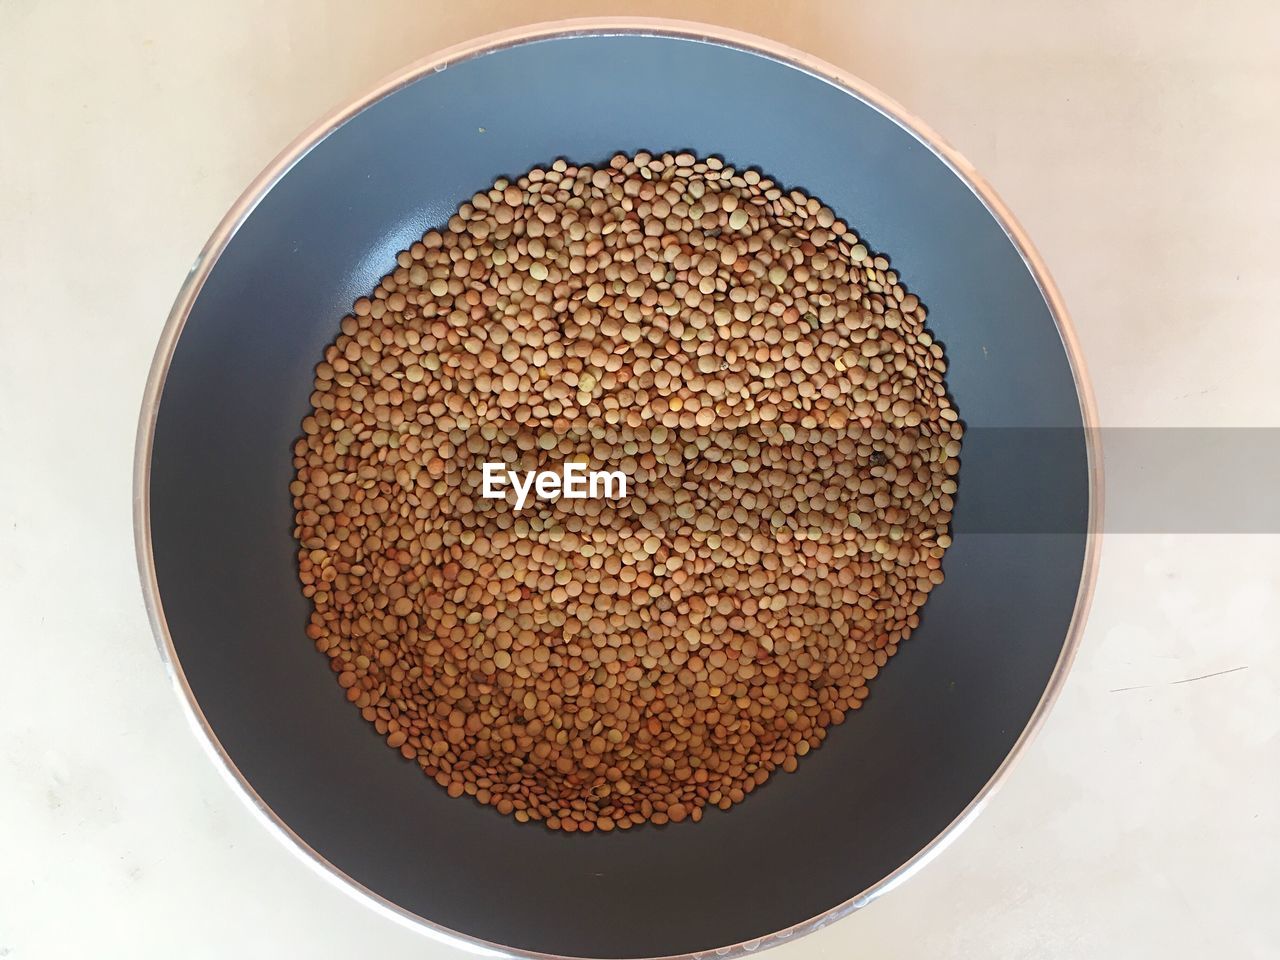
(559, 29)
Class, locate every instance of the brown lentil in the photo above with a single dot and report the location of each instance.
(771, 390)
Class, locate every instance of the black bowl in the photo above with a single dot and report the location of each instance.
(231, 382)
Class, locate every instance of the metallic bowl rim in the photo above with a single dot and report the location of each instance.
(602, 26)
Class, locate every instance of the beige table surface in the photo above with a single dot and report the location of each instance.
(1136, 141)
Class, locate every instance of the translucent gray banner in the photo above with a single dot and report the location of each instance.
(1156, 479)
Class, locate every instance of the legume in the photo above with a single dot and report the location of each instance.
(766, 382)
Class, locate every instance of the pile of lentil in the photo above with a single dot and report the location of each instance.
(770, 389)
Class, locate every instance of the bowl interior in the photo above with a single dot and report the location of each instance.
(939, 721)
